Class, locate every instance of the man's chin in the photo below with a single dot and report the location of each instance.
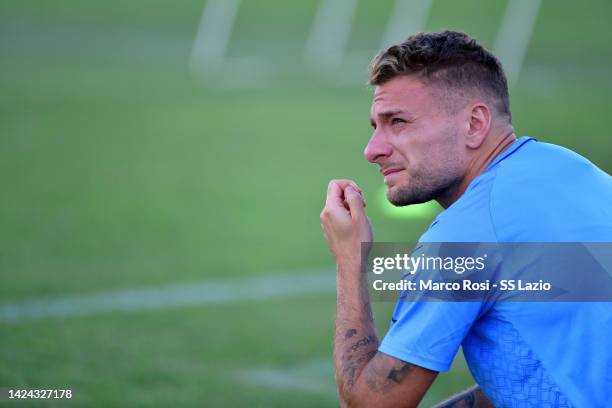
(401, 197)
(395, 197)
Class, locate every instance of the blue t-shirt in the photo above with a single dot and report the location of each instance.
(521, 354)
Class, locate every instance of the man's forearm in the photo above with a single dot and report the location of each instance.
(364, 376)
(355, 342)
(470, 398)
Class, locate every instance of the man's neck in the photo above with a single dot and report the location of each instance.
(487, 152)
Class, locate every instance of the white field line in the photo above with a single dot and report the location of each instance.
(408, 17)
(164, 297)
(514, 35)
(315, 376)
(214, 32)
(329, 34)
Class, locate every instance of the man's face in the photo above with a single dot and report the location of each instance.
(417, 143)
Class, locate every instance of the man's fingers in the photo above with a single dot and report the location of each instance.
(342, 183)
(335, 195)
(354, 200)
(335, 191)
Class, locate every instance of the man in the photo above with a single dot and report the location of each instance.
(443, 131)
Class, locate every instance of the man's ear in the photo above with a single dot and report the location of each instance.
(479, 124)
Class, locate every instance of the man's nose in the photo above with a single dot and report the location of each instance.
(377, 148)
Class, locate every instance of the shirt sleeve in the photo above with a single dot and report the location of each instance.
(429, 334)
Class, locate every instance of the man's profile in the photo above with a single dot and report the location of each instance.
(442, 130)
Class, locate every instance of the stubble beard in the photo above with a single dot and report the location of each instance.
(424, 185)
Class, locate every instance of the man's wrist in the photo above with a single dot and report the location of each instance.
(352, 262)
(349, 266)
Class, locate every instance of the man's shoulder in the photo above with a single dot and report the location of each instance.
(545, 192)
(534, 165)
(533, 192)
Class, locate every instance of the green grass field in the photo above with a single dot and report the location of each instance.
(119, 170)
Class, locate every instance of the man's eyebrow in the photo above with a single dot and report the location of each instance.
(388, 114)
(391, 112)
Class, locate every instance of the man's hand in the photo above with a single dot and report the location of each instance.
(344, 222)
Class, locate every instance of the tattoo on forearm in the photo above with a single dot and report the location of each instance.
(350, 333)
(380, 378)
(351, 366)
(398, 374)
(355, 340)
(364, 342)
(353, 358)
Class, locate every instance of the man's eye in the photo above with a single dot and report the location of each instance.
(395, 121)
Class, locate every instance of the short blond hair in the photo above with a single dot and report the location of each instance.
(451, 60)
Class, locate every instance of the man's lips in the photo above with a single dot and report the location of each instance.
(389, 171)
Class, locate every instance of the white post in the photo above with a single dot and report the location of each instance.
(408, 17)
(214, 32)
(329, 33)
(515, 34)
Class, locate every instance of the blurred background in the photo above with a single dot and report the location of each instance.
(163, 166)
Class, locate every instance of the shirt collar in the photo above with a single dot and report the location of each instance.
(513, 148)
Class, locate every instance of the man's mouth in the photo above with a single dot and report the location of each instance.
(388, 173)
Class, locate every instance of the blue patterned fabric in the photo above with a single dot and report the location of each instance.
(503, 364)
